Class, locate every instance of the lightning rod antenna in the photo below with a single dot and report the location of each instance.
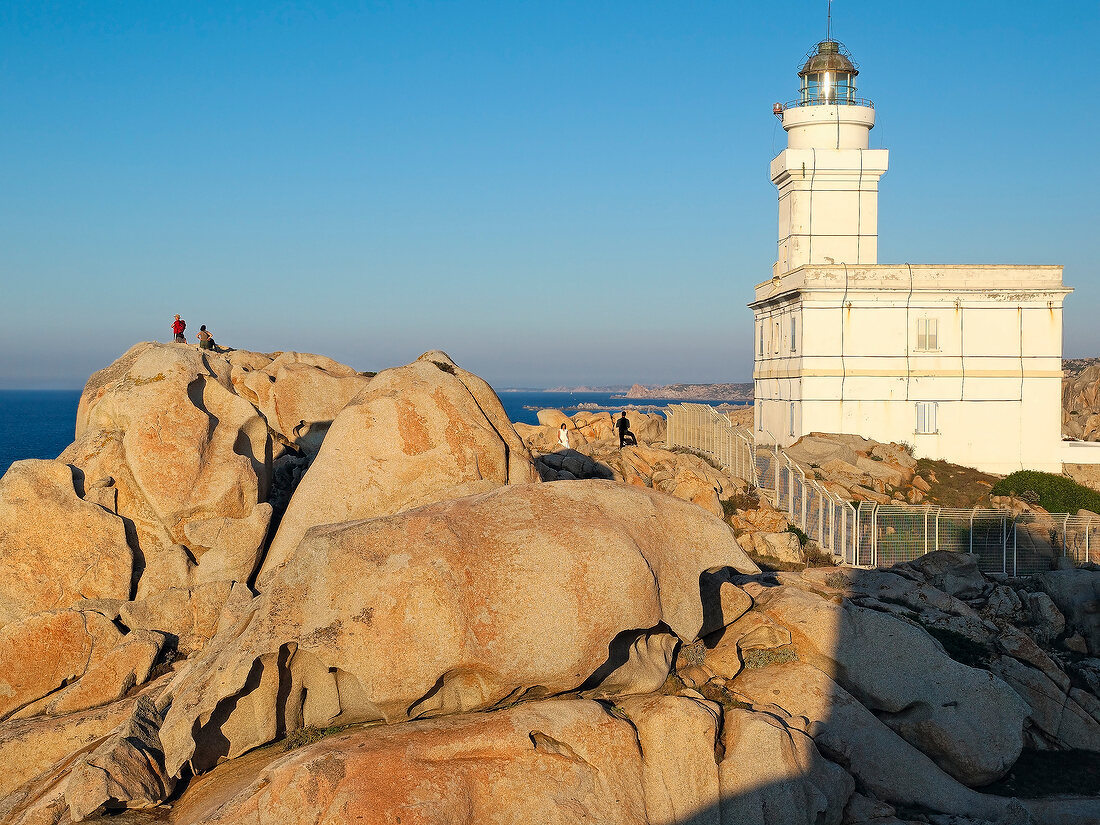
(829, 22)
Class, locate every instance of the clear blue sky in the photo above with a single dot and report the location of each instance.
(552, 192)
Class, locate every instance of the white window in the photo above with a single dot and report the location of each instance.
(926, 417)
(777, 336)
(761, 337)
(928, 334)
(756, 412)
(794, 333)
(792, 418)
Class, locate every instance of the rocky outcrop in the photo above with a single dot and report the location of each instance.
(422, 433)
(181, 445)
(1076, 596)
(654, 759)
(49, 651)
(30, 747)
(773, 774)
(589, 428)
(164, 433)
(298, 393)
(188, 616)
(968, 721)
(626, 660)
(595, 453)
(1081, 404)
(56, 548)
(532, 590)
(692, 477)
(107, 757)
(549, 761)
(858, 469)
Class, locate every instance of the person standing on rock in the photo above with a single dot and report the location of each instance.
(563, 436)
(178, 326)
(625, 436)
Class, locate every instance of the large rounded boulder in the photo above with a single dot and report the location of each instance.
(162, 430)
(421, 433)
(527, 591)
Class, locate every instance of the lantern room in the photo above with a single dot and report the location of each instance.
(828, 76)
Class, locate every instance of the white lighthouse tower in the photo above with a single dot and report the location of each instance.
(827, 176)
(961, 362)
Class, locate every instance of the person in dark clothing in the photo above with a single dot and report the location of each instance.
(178, 326)
(626, 437)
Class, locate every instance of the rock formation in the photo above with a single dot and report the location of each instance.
(425, 432)
(435, 636)
(56, 547)
(1081, 404)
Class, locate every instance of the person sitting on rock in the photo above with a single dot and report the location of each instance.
(563, 436)
(206, 340)
(178, 326)
(626, 437)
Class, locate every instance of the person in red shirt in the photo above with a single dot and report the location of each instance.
(178, 326)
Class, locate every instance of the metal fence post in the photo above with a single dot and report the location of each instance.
(1015, 529)
(790, 487)
(820, 517)
(802, 517)
(874, 536)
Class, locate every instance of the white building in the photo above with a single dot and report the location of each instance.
(961, 362)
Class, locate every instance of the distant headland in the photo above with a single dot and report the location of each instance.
(685, 392)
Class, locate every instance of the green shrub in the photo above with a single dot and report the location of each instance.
(774, 656)
(803, 539)
(300, 737)
(720, 694)
(1054, 493)
(673, 685)
(740, 501)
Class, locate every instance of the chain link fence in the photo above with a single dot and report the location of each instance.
(1016, 545)
(882, 535)
(702, 429)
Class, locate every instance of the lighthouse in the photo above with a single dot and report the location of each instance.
(961, 362)
(827, 176)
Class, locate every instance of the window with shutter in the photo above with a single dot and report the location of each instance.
(928, 334)
(926, 417)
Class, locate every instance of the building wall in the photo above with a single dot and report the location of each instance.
(828, 206)
(857, 366)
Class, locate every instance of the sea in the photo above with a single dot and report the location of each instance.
(36, 423)
(41, 423)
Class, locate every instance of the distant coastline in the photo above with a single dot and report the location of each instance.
(742, 392)
(694, 392)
